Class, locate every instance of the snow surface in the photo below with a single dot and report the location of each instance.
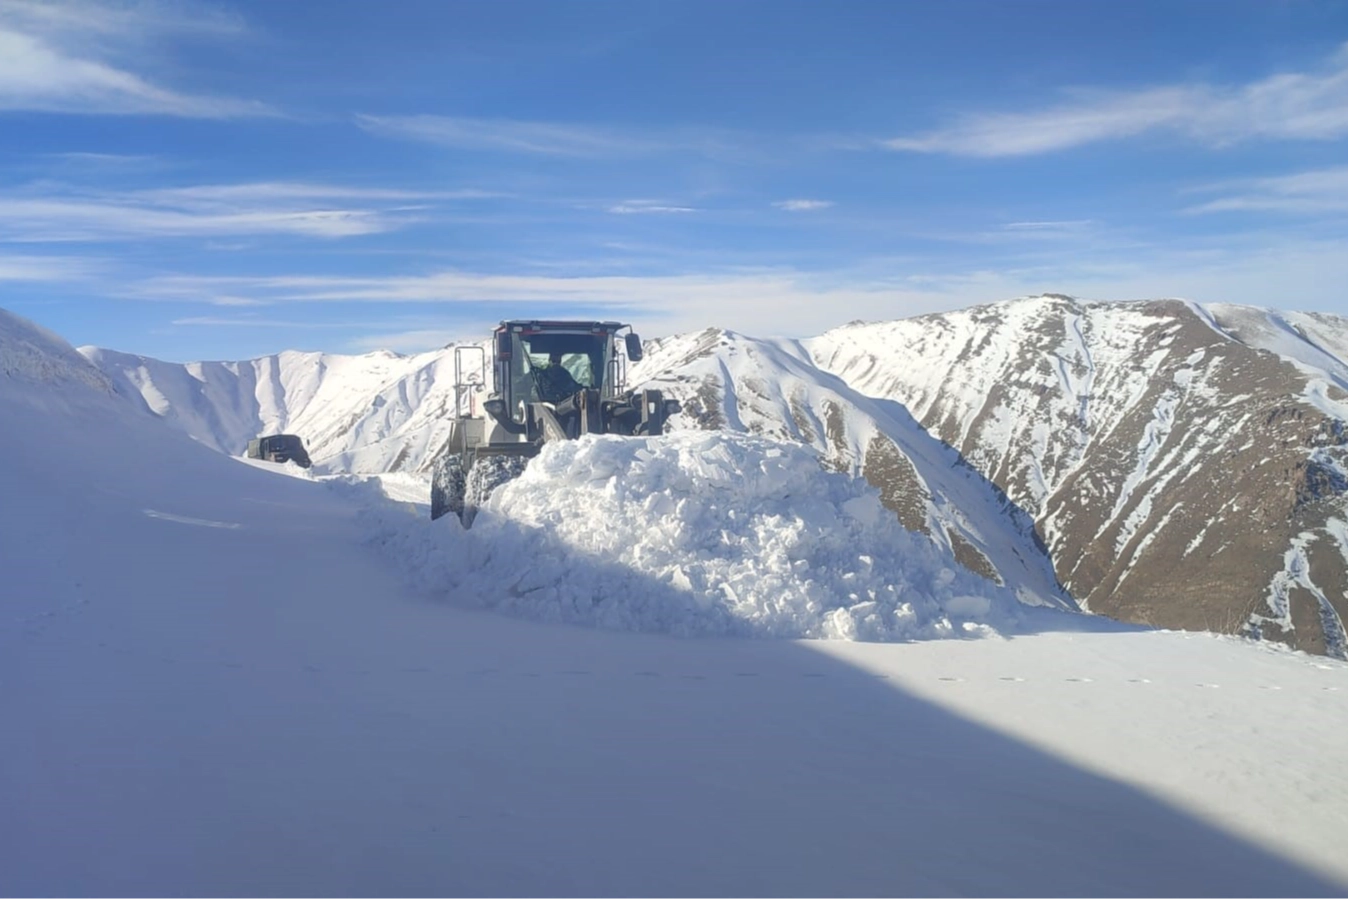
(266, 708)
(700, 533)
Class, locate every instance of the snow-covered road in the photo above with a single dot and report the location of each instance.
(301, 741)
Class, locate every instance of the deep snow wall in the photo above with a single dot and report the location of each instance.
(701, 534)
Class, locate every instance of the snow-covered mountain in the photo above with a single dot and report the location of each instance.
(1168, 463)
(1187, 465)
(380, 412)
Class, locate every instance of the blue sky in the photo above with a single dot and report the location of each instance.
(197, 180)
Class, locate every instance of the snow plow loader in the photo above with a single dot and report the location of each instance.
(280, 448)
(550, 380)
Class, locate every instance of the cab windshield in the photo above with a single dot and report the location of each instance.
(582, 356)
(551, 366)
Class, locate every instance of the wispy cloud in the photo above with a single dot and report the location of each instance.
(77, 57)
(124, 20)
(803, 205)
(1286, 106)
(647, 207)
(1070, 230)
(47, 221)
(271, 191)
(507, 135)
(752, 301)
(1318, 191)
(227, 300)
(416, 340)
(784, 301)
(206, 321)
(1068, 225)
(45, 268)
(450, 287)
(565, 140)
(117, 162)
(52, 214)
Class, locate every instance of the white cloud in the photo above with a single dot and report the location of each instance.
(311, 210)
(283, 190)
(1318, 191)
(564, 140)
(64, 57)
(416, 341)
(1071, 225)
(399, 335)
(109, 161)
(507, 135)
(208, 321)
(802, 205)
(46, 221)
(1282, 273)
(1257, 270)
(129, 19)
(44, 268)
(647, 207)
(1081, 232)
(766, 302)
(1288, 106)
(227, 300)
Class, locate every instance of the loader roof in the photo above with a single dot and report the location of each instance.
(568, 325)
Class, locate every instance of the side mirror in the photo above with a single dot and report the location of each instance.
(633, 347)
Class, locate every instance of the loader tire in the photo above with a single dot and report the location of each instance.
(486, 474)
(448, 481)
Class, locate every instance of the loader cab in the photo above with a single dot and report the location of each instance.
(548, 362)
(551, 381)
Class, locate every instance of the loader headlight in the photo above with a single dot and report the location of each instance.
(495, 407)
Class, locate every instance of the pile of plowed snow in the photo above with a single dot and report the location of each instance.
(699, 533)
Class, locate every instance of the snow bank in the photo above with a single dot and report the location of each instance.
(698, 533)
(31, 355)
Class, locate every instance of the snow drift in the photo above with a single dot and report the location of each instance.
(33, 357)
(701, 533)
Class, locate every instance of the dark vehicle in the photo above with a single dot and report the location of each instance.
(551, 380)
(279, 448)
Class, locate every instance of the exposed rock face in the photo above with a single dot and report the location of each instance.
(1185, 465)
